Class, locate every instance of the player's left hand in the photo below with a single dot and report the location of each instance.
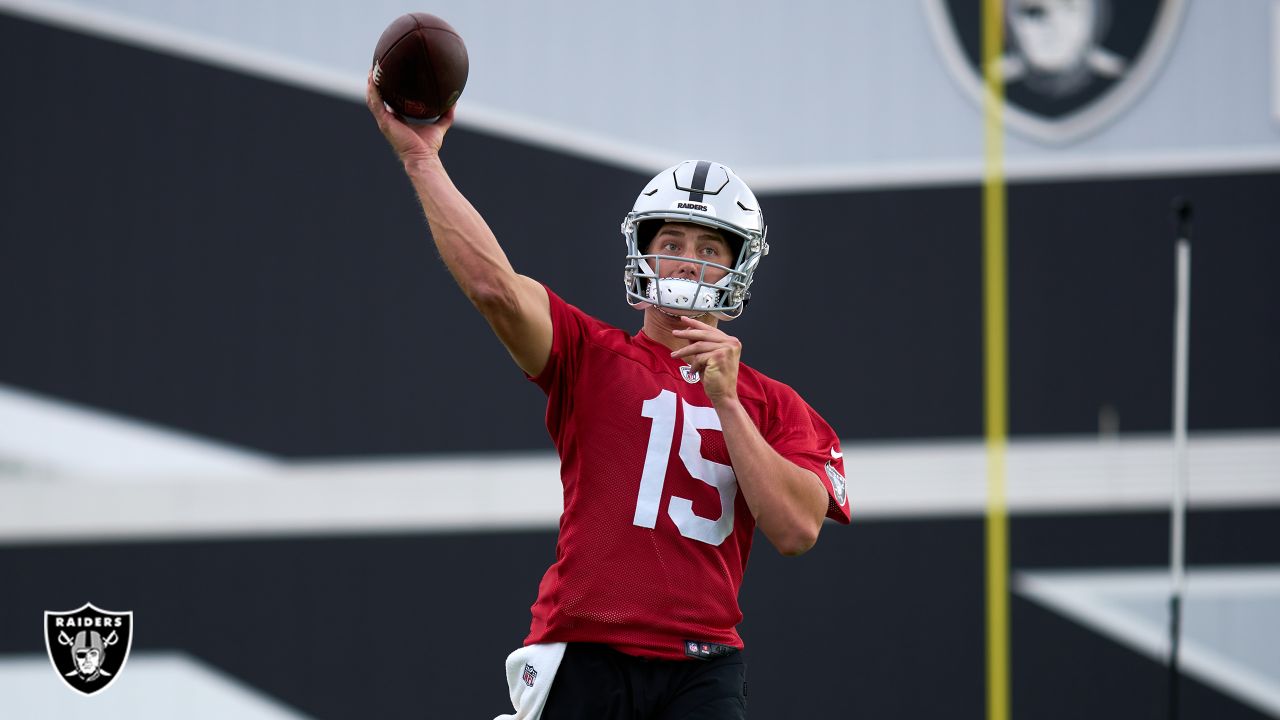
(712, 353)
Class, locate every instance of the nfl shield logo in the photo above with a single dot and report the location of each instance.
(529, 674)
(1068, 66)
(88, 646)
(837, 483)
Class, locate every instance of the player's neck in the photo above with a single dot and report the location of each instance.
(658, 326)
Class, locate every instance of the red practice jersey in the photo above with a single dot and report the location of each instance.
(655, 534)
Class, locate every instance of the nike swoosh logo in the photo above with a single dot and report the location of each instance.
(836, 455)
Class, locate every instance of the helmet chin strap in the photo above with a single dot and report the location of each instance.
(660, 309)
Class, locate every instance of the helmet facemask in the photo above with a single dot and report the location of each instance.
(683, 295)
(729, 208)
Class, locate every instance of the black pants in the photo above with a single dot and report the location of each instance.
(596, 682)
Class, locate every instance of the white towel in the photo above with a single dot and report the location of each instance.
(530, 672)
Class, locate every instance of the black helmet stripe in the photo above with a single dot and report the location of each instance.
(699, 180)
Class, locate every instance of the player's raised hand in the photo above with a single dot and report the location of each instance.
(714, 354)
(410, 142)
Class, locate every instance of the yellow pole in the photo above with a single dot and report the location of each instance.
(995, 365)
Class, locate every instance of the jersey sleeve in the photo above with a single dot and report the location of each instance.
(800, 435)
(570, 331)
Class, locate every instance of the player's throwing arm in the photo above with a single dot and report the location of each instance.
(515, 306)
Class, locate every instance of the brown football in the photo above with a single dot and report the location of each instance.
(420, 67)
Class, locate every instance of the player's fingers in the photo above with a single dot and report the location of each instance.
(372, 98)
(384, 117)
(696, 329)
(722, 356)
(697, 362)
(446, 120)
(692, 333)
(716, 337)
(695, 322)
(697, 348)
(692, 326)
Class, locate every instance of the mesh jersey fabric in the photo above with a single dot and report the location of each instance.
(629, 570)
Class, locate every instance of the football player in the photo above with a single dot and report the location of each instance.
(672, 450)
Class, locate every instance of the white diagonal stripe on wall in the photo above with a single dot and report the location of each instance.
(46, 437)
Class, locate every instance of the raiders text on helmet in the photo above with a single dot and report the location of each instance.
(705, 193)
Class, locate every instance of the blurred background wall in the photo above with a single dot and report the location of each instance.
(241, 396)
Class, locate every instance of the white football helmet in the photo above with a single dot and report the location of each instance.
(706, 193)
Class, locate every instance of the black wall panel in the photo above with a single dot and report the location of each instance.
(1091, 286)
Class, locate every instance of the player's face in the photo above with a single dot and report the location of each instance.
(1052, 34)
(686, 240)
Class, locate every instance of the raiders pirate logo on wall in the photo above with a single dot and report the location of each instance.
(1069, 66)
(88, 646)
